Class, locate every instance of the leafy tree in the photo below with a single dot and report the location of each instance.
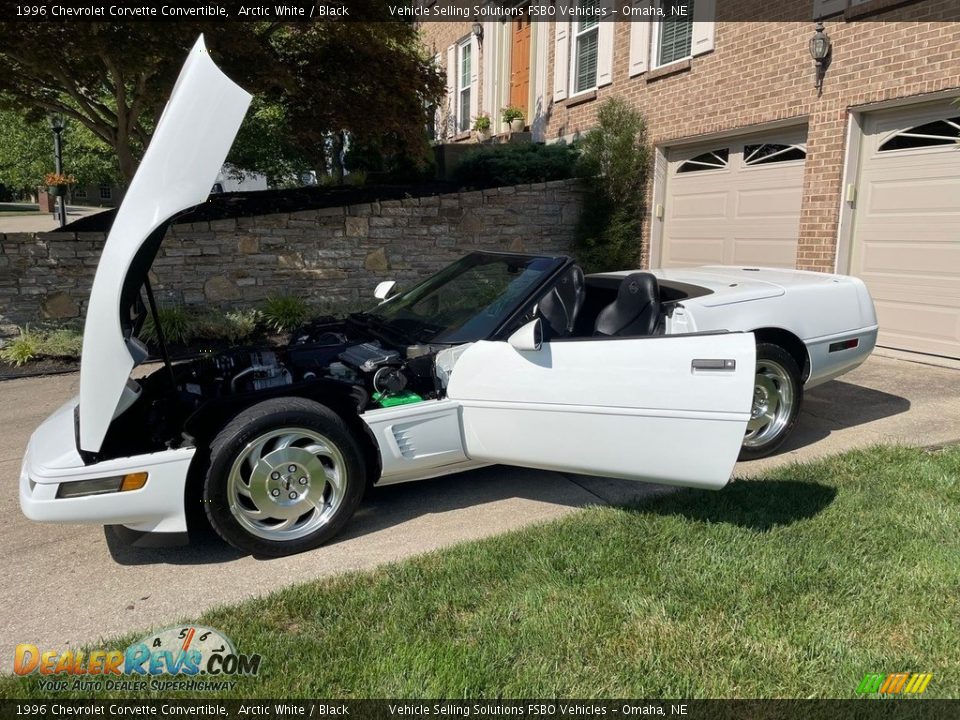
(380, 92)
(26, 153)
(614, 163)
(327, 77)
(265, 144)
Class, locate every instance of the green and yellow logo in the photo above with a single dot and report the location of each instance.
(894, 683)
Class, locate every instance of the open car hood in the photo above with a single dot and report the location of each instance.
(188, 149)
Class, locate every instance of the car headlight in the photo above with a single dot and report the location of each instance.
(102, 486)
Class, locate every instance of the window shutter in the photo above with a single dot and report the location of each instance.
(489, 79)
(474, 77)
(561, 58)
(640, 42)
(451, 83)
(826, 8)
(704, 14)
(605, 53)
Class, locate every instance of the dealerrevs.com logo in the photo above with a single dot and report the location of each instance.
(190, 651)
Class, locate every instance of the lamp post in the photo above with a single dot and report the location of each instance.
(57, 125)
(820, 47)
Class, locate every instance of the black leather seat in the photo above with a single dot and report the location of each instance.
(635, 312)
(559, 307)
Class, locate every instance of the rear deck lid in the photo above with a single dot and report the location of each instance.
(188, 149)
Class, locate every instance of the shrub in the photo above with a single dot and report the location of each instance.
(283, 313)
(501, 165)
(176, 322)
(34, 344)
(62, 343)
(22, 349)
(614, 162)
(242, 324)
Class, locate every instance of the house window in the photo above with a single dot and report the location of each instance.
(106, 192)
(713, 160)
(586, 44)
(464, 87)
(939, 132)
(80, 192)
(770, 153)
(674, 34)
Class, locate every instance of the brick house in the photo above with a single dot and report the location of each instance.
(752, 165)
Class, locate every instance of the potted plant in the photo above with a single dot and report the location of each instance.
(57, 183)
(513, 116)
(481, 126)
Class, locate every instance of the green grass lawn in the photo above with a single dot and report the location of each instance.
(790, 586)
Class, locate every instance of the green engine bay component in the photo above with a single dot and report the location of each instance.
(404, 398)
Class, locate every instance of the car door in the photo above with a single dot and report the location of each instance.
(666, 409)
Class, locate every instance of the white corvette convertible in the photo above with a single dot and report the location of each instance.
(664, 376)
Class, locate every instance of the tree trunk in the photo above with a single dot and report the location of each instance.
(336, 157)
(128, 164)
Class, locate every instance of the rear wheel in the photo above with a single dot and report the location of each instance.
(285, 476)
(777, 394)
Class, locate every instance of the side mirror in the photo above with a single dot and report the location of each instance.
(529, 338)
(384, 290)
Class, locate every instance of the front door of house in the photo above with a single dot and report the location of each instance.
(520, 63)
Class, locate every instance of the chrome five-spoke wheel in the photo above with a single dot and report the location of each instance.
(772, 403)
(775, 403)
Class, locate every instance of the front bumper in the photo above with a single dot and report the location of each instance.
(51, 460)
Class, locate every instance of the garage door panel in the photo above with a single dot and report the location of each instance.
(921, 327)
(903, 256)
(769, 252)
(696, 251)
(912, 196)
(700, 206)
(906, 231)
(769, 203)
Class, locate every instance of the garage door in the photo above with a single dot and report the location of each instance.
(735, 202)
(906, 229)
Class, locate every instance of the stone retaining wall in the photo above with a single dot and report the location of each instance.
(330, 255)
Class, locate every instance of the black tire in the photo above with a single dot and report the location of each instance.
(238, 446)
(777, 369)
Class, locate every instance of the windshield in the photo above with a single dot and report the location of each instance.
(468, 300)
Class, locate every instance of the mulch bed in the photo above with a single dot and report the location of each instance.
(39, 368)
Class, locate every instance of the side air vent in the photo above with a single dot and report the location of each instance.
(405, 443)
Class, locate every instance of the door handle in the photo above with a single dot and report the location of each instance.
(713, 364)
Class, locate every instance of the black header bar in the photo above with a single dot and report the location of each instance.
(476, 11)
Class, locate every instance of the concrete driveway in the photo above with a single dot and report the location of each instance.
(66, 585)
(31, 222)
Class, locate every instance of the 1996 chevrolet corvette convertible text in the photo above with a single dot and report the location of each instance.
(664, 376)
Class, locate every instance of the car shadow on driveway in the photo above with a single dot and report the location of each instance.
(447, 506)
(837, 405)
(759, 505)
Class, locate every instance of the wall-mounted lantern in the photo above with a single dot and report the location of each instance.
(820, 48)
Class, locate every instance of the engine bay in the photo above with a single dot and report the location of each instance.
(324, 361)
(379, 374)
